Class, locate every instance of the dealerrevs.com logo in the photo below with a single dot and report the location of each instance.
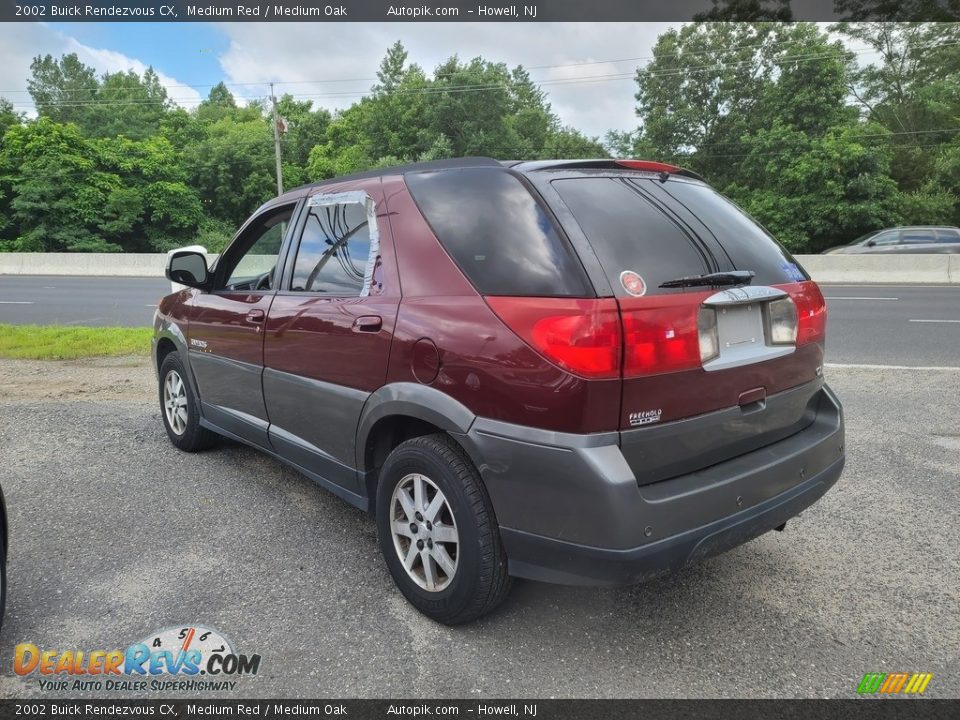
(183, 658)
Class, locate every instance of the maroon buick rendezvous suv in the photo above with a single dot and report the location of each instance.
(584, 372)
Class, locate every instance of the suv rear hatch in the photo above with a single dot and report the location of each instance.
(712, 367)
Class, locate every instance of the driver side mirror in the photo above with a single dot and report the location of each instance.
(187, 267)
(871, 243)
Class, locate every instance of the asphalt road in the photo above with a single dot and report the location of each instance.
(893, 324)
(115, 534)
(69, 300)
(884, 324)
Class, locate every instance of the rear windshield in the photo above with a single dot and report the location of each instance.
(629, 231)
(497, 233)
(748, 245)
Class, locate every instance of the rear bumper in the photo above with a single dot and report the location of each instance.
(571, 511)
(550, 560)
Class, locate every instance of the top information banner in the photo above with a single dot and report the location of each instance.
(473, 11)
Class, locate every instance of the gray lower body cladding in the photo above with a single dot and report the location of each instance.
(572, 511)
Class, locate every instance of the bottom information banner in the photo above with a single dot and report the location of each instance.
(485, 709)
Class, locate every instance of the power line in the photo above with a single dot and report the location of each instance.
(784, 151)
(512, 153)
(676, 54)
(495, 86)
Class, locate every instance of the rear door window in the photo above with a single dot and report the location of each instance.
(497, 232)
(948, 235)
(629, 233)
(335, 254)
(917, 236)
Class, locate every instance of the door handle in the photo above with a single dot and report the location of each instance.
(256, 316)
(368, 323)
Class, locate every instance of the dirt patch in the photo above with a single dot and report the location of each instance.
(114, 378)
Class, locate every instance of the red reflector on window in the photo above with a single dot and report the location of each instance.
(582, 336)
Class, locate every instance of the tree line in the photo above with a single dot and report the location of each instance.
(820, 136)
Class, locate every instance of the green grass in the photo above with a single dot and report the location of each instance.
(62, 342)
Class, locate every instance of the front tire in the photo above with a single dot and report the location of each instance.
(180, 408)
(438, 533)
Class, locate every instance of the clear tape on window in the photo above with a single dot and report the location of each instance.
(358, 197)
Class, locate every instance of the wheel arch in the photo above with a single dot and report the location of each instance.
(165, 346)
(399, 412)
(170, 338)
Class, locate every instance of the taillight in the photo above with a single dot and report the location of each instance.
(582, 336)
(707, 332)
(667, 333)
(811, 312)
(782, 322)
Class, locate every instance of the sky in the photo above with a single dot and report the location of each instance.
(586, 68)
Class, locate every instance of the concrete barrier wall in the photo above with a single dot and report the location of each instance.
(96, 264)
(932, 269)
(865, 269)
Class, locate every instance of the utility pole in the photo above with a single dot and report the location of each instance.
(276, 141)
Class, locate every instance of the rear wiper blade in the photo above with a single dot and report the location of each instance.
(731, 277)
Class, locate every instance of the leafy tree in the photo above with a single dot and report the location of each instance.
(763, 112)
(813, 193)
(565, 142)
(128, 105)
(8, 117)
(122, 103)
(747, 11)
(946, 180)
(154, 208)
(902, 10)
(913, 89)
(305, 128)
(465, 108)
(95, 195)
(232, 167)
(819, 147)
(711, 84)
(63, 90)
(218, 104)
(57, 190)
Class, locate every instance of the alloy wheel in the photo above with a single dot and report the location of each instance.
(175, 402)
(424, 532)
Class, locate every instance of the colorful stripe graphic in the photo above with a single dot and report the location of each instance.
(894, 683)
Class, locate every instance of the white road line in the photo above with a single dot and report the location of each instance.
(149, 305)
(860, 298)
(845, 366)
(936, 321)
(15, 302)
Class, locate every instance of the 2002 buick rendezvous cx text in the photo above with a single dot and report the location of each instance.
(581, 372)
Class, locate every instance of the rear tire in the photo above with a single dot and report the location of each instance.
(430, 493)
(180, 408)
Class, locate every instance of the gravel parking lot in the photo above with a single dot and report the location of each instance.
(115, 534)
